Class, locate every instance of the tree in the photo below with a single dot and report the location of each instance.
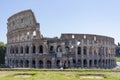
(2, 52)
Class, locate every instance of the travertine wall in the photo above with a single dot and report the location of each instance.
(26, 47)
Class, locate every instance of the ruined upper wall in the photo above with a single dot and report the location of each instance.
(21, 20)
(87, 37)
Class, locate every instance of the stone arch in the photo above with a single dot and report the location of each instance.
(26, 63)
(90, 50)
(40, 48)
(51, 49)
(21, 63)
(34, 49)
(79, 50)
(95, 63)
(16, 49)
(11, 49)
(27, 49)
(66, 64)
(48, 64)
(21, 49)
(85, 62)
(67, 49)
(16, 63)
(58, 63)
(90, 63)
(40, 64)
(85, 50)
(33, 64)
(59, 48)
(79, 62)
(74, 63)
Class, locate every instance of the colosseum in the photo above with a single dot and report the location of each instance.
(27, 48)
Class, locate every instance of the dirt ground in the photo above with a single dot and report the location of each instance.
(5, 73)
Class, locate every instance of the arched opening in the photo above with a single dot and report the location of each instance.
(95, 63)
(11, 50)
(48, 64)
(66, 64)
(90, 63)
(67, 49)
(40, 64)
(21, 63)
(58, 63)
(85, 50)
(52, 49)
(59, 48)
(34, 49)
(85, 63)
(79, 50)
(99, 63)
(34, 33)
(40, 49)
(27, 63)
(79, 63)
(33, 63)
(16, 50)
(103, 63)
(16, 63)
(74, 63)
(90, 50)
(27, 49)
(21, 49)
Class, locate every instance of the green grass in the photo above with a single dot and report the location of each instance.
(118, 59)
(58, 74)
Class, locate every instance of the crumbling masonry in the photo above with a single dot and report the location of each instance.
(27, 48)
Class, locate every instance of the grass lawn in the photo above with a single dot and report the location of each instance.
(18, 74)
(118, 59)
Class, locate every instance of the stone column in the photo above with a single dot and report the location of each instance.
(36, 63)
(30, 49)
(30, 63)
(82, 48)
(19, 63)
(87, 48)
(81, 62)
(93, 63)
(88, 63)
(76, 53)
(53, 63)
(24, 63)
(44, 63)
(71, 62)
(37, 50)
(24, 49)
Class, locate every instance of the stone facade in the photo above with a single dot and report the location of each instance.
(27, 48)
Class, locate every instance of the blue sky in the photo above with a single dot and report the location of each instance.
(101, 17)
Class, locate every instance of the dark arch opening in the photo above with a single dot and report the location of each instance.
(85, 63)
(51, 49)
(58, 63)
(59, 49)
(33, 63)
(90, 63)
(27, 49)
(84, 50)
(79, 50)
(40, 49)
(16, 50)
(21, 63)
(21, 49)
(34, 49)
(40, 64)
(48, 64)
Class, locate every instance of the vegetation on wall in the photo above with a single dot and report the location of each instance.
(2, 53)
